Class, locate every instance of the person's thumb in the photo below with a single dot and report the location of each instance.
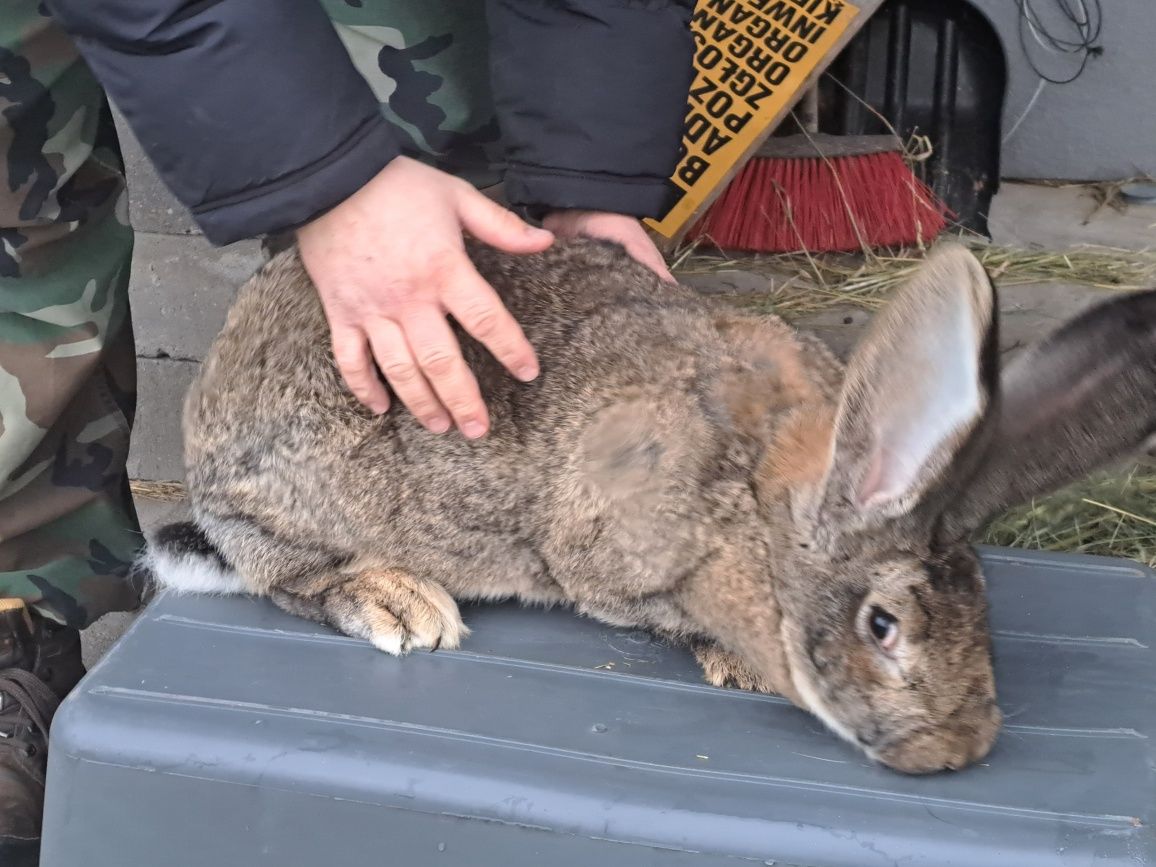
(492, 224)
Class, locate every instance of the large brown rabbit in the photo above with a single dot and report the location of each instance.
(714, 477)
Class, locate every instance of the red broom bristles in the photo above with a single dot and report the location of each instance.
(823, 205)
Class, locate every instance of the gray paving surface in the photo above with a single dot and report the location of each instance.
(1034, 215)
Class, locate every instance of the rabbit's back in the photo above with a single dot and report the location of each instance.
(624, 425)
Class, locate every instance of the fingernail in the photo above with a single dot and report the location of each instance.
(528, 372)
(379, 408)
(473, 429)
(438, 424)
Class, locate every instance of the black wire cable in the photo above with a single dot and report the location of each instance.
(1086, 19)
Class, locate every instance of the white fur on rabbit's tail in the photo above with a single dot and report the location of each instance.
(181, 558)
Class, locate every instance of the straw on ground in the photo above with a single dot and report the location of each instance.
(807, 283)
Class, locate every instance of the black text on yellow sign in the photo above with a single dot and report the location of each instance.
(752, 61)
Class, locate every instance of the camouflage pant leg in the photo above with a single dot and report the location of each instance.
(68, 529)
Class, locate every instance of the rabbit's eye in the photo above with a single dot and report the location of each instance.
(884, 627)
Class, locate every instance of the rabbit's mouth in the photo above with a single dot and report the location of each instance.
(962, 739)
(947, 747)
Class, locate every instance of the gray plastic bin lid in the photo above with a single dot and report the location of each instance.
(222, 732)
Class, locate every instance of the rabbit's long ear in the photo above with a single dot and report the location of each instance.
(1082, 399)
(915, 394)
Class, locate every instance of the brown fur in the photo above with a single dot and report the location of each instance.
(725, 669)
(696, 474)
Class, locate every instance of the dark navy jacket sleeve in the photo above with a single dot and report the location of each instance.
(591, 96)
(251, 110)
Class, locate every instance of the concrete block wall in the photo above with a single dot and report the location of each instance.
(180, 290)
(1101, 126)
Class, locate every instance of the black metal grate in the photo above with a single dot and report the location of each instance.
(935, 67)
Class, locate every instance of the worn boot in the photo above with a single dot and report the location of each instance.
(40, 662)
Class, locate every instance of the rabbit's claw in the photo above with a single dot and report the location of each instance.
(723, 669)
(396, 612)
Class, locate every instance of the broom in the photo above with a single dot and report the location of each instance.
(823, 193)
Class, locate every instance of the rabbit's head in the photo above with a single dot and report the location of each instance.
(881, 599)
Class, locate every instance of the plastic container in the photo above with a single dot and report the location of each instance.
(223, 732)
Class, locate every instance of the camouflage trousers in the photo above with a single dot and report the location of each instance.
(68, 529)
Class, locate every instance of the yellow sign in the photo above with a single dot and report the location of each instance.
(753, 60)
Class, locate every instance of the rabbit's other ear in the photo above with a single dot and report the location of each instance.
(916, 391)
(1080, 400)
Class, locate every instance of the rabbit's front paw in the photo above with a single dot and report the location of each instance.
(395, 611)
(723, 668)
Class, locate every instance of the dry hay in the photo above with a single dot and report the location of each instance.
(1112, 514)
(809, 283)
(164, 491)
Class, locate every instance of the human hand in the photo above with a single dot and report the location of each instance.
(619, 228)
(389, 264)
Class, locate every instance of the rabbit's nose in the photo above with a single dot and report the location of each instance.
(949, 747)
